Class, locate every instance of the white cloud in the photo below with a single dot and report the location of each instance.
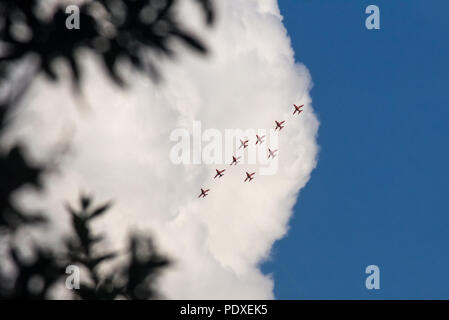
(120, 149)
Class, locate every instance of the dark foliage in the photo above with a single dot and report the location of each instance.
(34, 279)
(114, 29)
(132, 279)
(14, 173)
(136, 31)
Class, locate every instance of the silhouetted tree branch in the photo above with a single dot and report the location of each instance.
(136, 31)
(131, 30)
(132, 279)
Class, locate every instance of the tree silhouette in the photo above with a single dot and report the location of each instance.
(33, 36)
(131, 280)
(131, 30)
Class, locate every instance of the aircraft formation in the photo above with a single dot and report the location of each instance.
(244, 144)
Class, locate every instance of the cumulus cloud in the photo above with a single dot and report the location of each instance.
(120, 149)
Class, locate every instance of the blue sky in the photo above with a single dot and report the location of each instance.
(380, 193)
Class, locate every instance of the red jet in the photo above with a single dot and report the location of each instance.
(279, 125)
(271, 153)
(219, 173)
(297, 108)
(203, 193)
(259, 139)
(243, 143)
(235, 160)
(249, 176)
